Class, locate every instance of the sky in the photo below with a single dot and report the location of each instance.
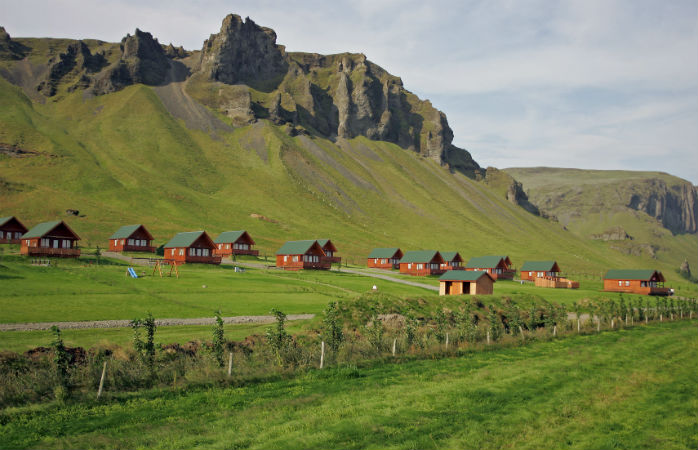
(592, 84)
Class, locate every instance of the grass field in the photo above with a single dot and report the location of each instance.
(627, 389)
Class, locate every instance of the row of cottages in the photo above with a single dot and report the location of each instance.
(643, 282)
(546, 274)
(456, 282)
(48, 239)
(307, 254)
(11, 230)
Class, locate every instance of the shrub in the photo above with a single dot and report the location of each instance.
(332, 327)
(218, 339)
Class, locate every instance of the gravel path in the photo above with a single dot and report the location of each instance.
(389, 278)
(236, 320)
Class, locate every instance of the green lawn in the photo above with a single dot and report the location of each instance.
(626, 389)
(75, 291)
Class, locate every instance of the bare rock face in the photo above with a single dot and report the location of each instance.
(685, 269)
(676, 206)
(336, 96)
(143, 60)
(510, 188)
(242, 52)
(76, 58)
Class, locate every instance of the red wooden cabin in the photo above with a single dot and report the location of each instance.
(131, 238)
(191, 247)
(296, 255)
(539, 269)
(452, 261)
(231, 243)
(421, 263)
(496, 265)
(330, 251)
(50, 239)
(384, 258)
(643, 282)
(11, 230)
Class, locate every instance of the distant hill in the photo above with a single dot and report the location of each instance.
(243, 135)
(651, 213)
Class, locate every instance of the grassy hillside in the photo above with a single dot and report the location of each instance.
(628, 389)
(592, 202)
(126, 158)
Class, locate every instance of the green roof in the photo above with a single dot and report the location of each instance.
(629, 274)
(184, 239)
(537, 266)
(322, 242)
(463, 275)
(419, 256)
(41, 229)
(449, 256)
(124, 232)
(383, 252)
(229, 236)
(484, 262)
(296, 247)
(3, 220)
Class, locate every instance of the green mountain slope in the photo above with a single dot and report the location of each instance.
(178, 157)
(652, 214)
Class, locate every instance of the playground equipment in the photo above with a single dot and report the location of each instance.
(131, 272)
(158, 267)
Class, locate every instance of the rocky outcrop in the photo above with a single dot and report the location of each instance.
(242, 52)
(675, 206)
(9, 49)
(76, 58)
(614, 234)
(504, 183)
(685, 269)
(336, 96)
(143, 60)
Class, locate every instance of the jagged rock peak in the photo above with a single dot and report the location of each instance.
(76, 57)
(143, 60)
(9, 49)
(243, 52)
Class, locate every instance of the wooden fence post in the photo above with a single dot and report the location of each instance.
(488, 337)
(554, 330)
(598, 325)
(322, 354)
(646, 319)
(394, 345)
(230, 364)
(523, 338)
(446, 341)
(101, 380)
(578, 324)
(613, 323)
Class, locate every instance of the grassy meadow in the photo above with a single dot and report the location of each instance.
(632, 389)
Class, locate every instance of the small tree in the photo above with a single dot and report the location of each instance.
(532, 319)
(467, 323)
(495, 323)
(410, 329)
(577, 308)
(277, 336)
(61, 359)
(218, 339)
(514, 319)
(440, 330)
(374, 332)
(333, 325)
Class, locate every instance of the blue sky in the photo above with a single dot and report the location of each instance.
(609, 84)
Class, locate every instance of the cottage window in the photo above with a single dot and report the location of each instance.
(383, 261)
(455, 263)
(420, 266)
(328, 253)
(66, 243)
(172, 252)
(205, 252)
(227, 246)
(285, 258)
(409, 265)
(627, 283)
(620, 282)
(530, 274)
(643, 284)
(45, 242)
(181, 252)
(192, 251)
(2, 234)
(295, 258)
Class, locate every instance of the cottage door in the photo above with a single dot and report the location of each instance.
(55, 243)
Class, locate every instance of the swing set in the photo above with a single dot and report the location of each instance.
(158, 267)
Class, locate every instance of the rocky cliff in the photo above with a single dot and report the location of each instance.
(675, 206)
(244, 74)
